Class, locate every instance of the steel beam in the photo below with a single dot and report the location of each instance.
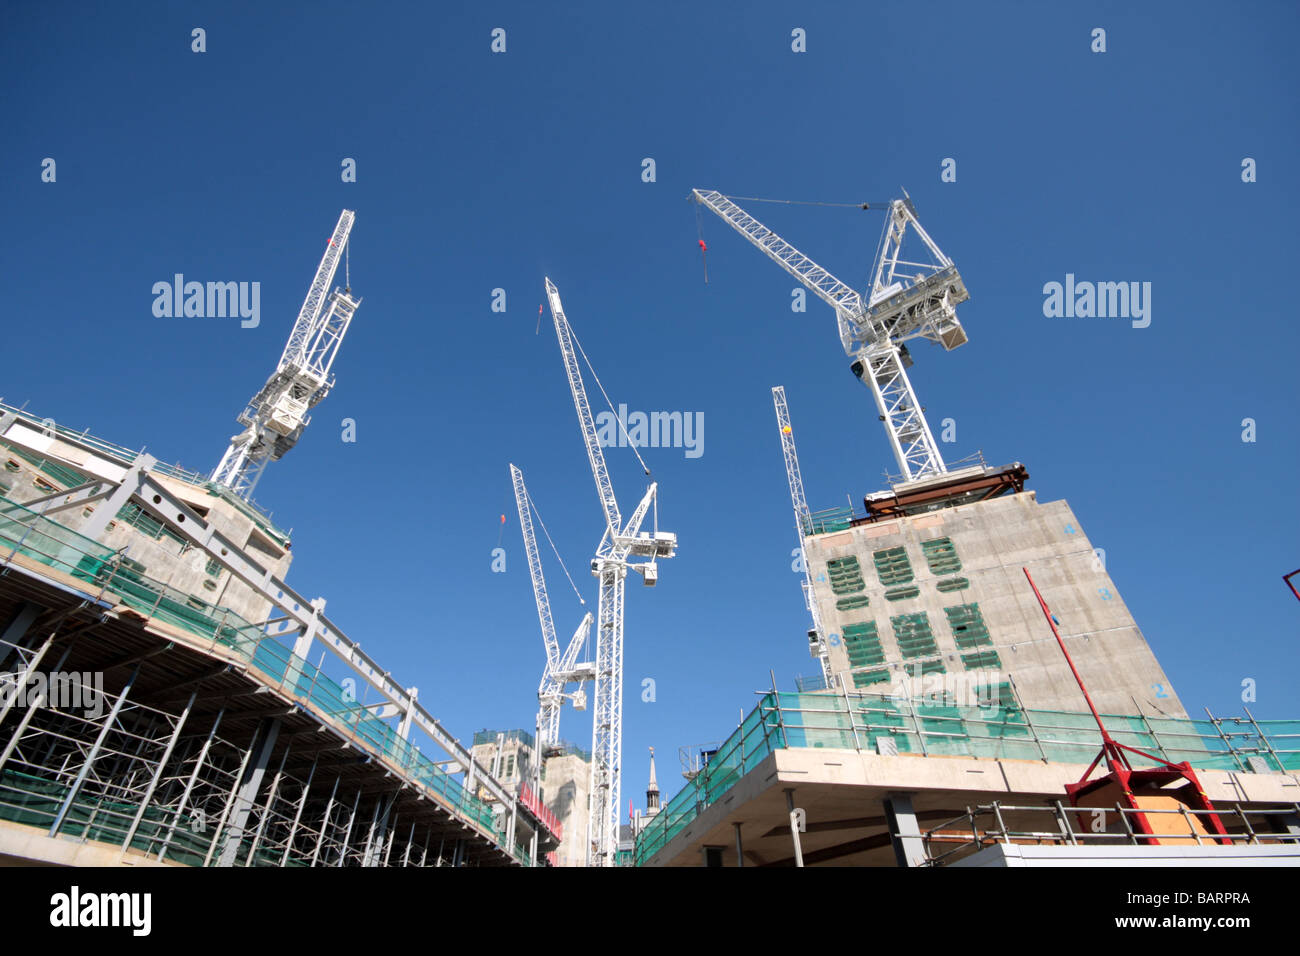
(904, 831)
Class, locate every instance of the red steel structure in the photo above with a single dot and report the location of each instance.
(1123, 777)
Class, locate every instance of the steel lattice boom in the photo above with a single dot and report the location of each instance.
(560, 669)
(275, 418)
(611, 564)
(908, 300)
(802, 524)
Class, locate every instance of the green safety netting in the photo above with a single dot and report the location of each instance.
(25, 532)
(1000, 730)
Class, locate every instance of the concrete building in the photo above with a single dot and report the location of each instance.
(875, 782)
(922, 597)
(565, 782)
(929, 583)
(38, 460)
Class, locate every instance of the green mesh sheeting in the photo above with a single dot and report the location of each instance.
(867, 678)
(133, 515)
(967, 624)
(862, 644)
(952, 584)
(832, 519)
(941, 556)
(852, 603)
(25, 532)
(981, 660)
(892, 566)
(913, 634)
(845, 575)
(902, 594)
(59, 472)
(1000, 730)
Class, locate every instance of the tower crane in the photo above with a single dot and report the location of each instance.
(560, 669)
(275, 418)
(620, 542)
(802, 525)
(902, 305)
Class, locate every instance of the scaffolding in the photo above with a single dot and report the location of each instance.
(116, 780)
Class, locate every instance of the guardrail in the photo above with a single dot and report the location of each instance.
(997, 822)
(880, 723)
(25, 532)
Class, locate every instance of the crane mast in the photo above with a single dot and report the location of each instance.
(275, 418)
(903, 304)
(802, 525)
(610, 566)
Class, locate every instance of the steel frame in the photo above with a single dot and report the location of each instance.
(901, 307)
(306, 617)
(276, 416)
(611, 563)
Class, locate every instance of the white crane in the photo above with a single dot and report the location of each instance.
(619, 543)
(902, 305)
(802, 525)
(560, 669)
(276, 416)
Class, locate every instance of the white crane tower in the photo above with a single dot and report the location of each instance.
(560, 669)
(802, 525)
(619, 543)
(902, 305)
(276, 416)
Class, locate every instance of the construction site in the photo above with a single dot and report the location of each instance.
(984, 696)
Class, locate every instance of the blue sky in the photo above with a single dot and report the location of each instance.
(479, 171)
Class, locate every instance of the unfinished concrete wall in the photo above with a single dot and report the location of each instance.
(566, 791)
(945, 590)
(164, 557)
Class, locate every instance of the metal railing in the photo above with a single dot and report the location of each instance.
(104, 572)
(988, 824)
(885, 724)
(125, 456)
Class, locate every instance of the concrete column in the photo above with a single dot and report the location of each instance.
(740, 850)
(904, 831)
(250, 782)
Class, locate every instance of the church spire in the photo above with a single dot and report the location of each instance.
(652, 790)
